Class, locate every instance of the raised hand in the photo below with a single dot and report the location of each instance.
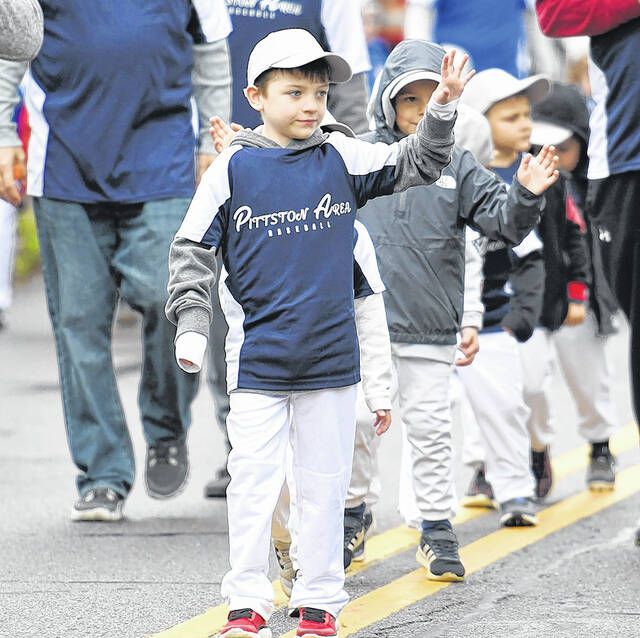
(453, 79)
(222, 133)
(537, 174)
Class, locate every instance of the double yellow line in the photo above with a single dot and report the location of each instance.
(413, 587)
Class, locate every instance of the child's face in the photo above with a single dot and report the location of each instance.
(292, 106)
(411, 103)
(510, 122)
(569, 154)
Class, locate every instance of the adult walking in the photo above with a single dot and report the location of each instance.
(614, 145)
(111, 169)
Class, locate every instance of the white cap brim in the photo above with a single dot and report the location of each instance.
(407, 78)
(544, 133)
(339, 69)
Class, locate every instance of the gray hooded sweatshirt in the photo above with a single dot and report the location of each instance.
(419, 238)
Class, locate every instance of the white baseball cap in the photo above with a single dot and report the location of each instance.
(494, 85)
(545, 133)
(292, 48)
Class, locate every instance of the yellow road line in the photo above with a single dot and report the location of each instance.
(399, 539)
(410, 589)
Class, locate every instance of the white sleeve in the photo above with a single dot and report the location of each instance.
(214, 19)
(342, 22)
(528, 245)
(419, 18)
(364, 255)
(473, 262)
(375, 351)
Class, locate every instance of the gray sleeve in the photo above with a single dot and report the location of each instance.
(423, 155)
(348, 103)
(495, 211)
(211, 79)
(11, 73)
(192, 275)
(21, 29)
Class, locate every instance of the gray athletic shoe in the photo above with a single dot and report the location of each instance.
(167, 469)
(518, 512)
(601, 474)
(438, 554)
(99, 504)
(286, 570)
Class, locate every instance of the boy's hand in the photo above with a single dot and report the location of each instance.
(576, 314)
(13, 174)
(469, 346)
(222, 133)
(453, 79)
(382, 422)
(536, 174)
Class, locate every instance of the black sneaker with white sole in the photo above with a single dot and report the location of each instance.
(518, 512)
(99, 504)
(601, 473)
(438, 554)
(167, 468)
(354, 532)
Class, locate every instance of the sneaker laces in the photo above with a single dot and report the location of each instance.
(441, 544)
(313, 615)
(165, 453)
(107, 492)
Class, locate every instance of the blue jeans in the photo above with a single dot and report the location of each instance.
(90, 255)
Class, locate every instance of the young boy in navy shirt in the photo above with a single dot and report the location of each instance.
(280, 206)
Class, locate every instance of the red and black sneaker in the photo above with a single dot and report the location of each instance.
(316, 623)
(244, 623)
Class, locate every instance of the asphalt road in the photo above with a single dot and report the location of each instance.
(577, 575)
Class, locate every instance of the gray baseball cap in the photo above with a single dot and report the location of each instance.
(494, 85)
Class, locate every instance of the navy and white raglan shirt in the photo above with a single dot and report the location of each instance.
(109, 98)
(335, 24)
(284, 221)
(614, 72)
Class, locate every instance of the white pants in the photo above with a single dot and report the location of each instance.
(7, 244)
(421, 385)
(321, 426)
(583, 359)
(493, 386)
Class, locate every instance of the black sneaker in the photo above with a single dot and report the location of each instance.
(217, 487)
(541, 469)
(518, 512)
(167, 469)
(479, 493)
(99, 504)
(353, 535)
(601, 474)
(438, 554)
(369, 523)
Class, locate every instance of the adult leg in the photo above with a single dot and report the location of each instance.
(166, 392)
(258, 427)
(323, 442)
(76, 250)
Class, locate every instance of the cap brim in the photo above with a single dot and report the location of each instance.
(544, 133)
(338, 127)
(339, 69)
(536, 87)
(411, 76)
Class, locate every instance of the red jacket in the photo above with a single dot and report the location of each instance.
(565, 18)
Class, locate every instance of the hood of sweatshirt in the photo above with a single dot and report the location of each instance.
(411, 60)
(254, 139)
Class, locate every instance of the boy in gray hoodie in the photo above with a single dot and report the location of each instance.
(420, 247)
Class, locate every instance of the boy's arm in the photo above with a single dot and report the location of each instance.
(527, 281)
(493, 209)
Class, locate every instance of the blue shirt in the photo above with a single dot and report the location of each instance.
(284, 221)
(109, 97)
(492, 31)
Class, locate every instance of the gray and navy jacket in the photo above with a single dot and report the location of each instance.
(419, 234)
(284, 222)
